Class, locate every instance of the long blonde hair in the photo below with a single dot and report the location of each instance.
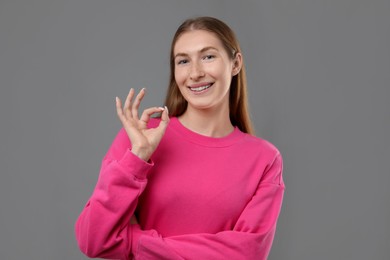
(238, 103)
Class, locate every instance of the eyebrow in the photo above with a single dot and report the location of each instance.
(201, 50)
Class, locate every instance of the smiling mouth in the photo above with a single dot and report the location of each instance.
(200, 88)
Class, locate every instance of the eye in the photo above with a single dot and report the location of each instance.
(209, 57)
(182, 62)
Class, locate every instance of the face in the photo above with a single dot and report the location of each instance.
(203, 70)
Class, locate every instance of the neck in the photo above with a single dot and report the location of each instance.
(208, 122)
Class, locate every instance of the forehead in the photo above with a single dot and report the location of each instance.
(195, 40)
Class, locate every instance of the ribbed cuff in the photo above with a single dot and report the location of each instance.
(136, 235)
(138, 167)
(136, 232)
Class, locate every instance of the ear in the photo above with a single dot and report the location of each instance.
(237, 64)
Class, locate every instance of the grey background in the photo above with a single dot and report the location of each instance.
(318, 73)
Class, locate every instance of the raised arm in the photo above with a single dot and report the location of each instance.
(102, 229)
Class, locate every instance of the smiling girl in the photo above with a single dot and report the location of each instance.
(194, 183)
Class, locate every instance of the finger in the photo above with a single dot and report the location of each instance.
(149, 112)
(164, 119)
(137, 102)
(127, 105)
(119, 110)
(165, 115)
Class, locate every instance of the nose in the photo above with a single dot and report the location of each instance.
(196, 71)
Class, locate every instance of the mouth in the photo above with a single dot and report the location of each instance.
(198, 88)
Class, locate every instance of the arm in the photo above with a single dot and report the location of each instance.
(102, 229)
(251, 237)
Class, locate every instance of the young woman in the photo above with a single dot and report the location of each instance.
(194, 183)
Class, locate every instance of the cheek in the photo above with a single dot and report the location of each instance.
(179, 76)
(223, 76)
(221, 71)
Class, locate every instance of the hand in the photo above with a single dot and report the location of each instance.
(133, 220)
(144, 141)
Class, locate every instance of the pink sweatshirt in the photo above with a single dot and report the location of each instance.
(197, 198)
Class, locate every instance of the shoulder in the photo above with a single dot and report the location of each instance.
(269, 157)
(258, 144)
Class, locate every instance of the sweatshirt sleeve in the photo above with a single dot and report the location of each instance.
(103, 229)
(251, 237)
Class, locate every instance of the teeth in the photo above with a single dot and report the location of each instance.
(201, 88)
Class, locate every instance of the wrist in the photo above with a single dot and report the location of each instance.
(141, 153)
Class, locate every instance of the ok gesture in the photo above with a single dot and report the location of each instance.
(144, 141)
